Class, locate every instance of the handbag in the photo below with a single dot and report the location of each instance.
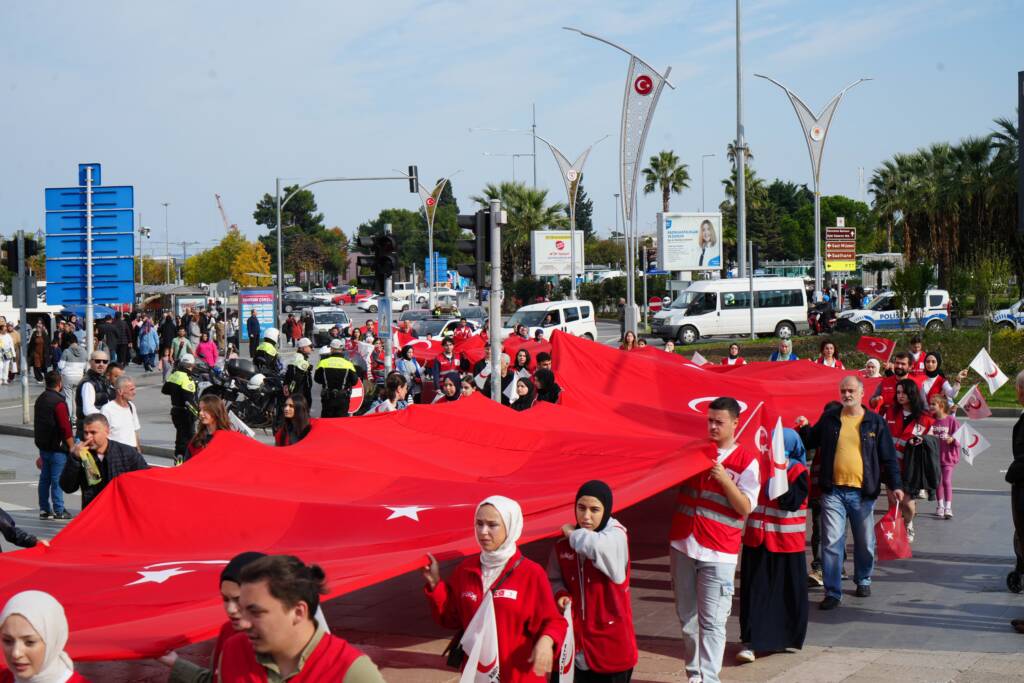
(454, 655)
(891, 538)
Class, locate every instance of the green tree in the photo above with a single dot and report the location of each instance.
(910, 283)
(528, 211)
(584, 213)
(607, 252)
(298, 217)
(409, 232)
(666, 173)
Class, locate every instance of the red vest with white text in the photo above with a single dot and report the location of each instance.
(329, 661)
(602, 616)
(903, 433)
(704, 511)
(738, 360)
(781, 531)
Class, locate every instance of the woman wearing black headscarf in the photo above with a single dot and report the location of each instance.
(935, 381)
(526, 394)
(589, 571)
(451, 388)
(547, 389)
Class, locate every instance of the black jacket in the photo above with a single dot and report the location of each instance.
(168, 330)
(1015, 473)
(13, 534)
(119, 459)
(252, 326)
(876, 449)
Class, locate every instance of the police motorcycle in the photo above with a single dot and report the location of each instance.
(252, 397)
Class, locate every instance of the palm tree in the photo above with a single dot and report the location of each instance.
(668, 173)
(528, 211)
(730, 153)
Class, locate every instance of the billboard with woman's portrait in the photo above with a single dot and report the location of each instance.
(690, 241)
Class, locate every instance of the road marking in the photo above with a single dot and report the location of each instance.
(12, 507)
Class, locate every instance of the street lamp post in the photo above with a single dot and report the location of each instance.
(702, 158)
(167, 243)
(532, 130)
(815, 128)
(430, 199)
(514, 155)
(572, 174)
(741, 159)
(280, 204)
(143, 232)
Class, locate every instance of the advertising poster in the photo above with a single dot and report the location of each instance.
(689, 241)
(262, 302)
(184, 303)
(549, 251)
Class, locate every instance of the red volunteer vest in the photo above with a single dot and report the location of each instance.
(328, 663)
(935, 388)
(738, 360)
(781, 531)
(704, 511)
(917, 366)
(8, 677)
(446, 365)
(881, 403)
(837, 366)
(902, 434)
(602, 616)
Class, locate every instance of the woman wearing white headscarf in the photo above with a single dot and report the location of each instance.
(34, 631)
(529, 627)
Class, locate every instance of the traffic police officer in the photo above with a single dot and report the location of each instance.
(337, 375)
(181, 387)
(266, 358)
(298, 376)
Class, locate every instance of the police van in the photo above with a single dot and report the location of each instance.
(883, 314)
(711, 308)
(1011, 318)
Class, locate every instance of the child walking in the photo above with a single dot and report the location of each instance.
(944, 427)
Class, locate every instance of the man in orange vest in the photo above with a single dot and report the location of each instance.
(706, 535)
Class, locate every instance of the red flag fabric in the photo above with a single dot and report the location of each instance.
(511, 346)
(974, 404)
(891, 540)
(877, 347)
(137, 570)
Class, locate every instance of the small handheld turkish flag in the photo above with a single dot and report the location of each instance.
(987, 368)
(974, 404)
(970, 443)
(699, 359)
(877, 347)
(891, 538)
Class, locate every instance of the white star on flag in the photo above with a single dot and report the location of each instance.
(410, 511)
(159, 576)
(889, 535)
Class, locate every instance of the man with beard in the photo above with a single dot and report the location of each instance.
(885, 393)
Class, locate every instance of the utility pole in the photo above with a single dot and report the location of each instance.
(23, 277)
(741, 160)
(167, 244)
(494, 300)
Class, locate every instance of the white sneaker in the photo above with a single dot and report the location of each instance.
(745, 656)
(949, 511)
(910, 533)
(694, 679)
(940, 509)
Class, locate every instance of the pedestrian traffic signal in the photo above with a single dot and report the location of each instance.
(414, 180)
(31, 247)
(479, 246)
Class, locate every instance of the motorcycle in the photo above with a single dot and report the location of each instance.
(253, 398)
(821, 319)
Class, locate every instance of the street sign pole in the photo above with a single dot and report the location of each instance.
(495, 300)
(89, 335)
(385, 306)
(23, 277)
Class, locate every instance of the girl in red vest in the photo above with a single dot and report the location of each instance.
(829, 357)
(589, 569)
(529, 627)
(908, 423)
(35, 631)
(734, 357)
(773, 587)
(935, 382)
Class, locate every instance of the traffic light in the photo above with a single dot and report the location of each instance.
(31, 247)
(479, 246)
(11, 255)
(414, 180)
(380, 254)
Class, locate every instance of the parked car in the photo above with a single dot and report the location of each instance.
(438, 327)
(1010, 318)
(347, 298)
(326, 317)
(573, 317)
(321, 294)
(402, 289)
(294, 301)
(414, 314)
(421, 296)
(883, 314)
(474, 314)
(372, 305)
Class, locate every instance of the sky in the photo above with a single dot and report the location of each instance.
(187, 99)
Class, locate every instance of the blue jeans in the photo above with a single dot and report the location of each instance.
(49, 481)
(838, 505)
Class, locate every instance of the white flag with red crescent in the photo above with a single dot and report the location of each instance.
(990, 372)
(970, 442)
(480, 643)
(779, 482)
(974, 404)
(567, 657)
(699, 359)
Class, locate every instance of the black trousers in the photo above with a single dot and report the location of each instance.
(581, 676)
(123, 355)
(253, 343)
(334, 407)
(184, 429)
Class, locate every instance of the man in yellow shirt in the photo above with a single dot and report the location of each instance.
(857, 455)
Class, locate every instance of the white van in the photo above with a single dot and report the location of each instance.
(709, 308)
(573, 317)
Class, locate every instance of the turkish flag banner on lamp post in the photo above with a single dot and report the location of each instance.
(974, 404)
(877, 347)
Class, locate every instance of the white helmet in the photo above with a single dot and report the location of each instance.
(273, 334)
(304, 342)
(187, 359)
(256, 381)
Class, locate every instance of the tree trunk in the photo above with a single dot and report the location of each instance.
(665, 193)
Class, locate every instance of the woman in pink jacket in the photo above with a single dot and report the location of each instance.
(206, 351)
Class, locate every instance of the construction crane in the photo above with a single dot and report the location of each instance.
(228, 225)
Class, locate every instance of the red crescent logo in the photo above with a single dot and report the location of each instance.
(974, 443)
(643, 85)
(431, 201)
(559, 244)
(974, 403)
(485, 668)
(993, 374)
(568, 666)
